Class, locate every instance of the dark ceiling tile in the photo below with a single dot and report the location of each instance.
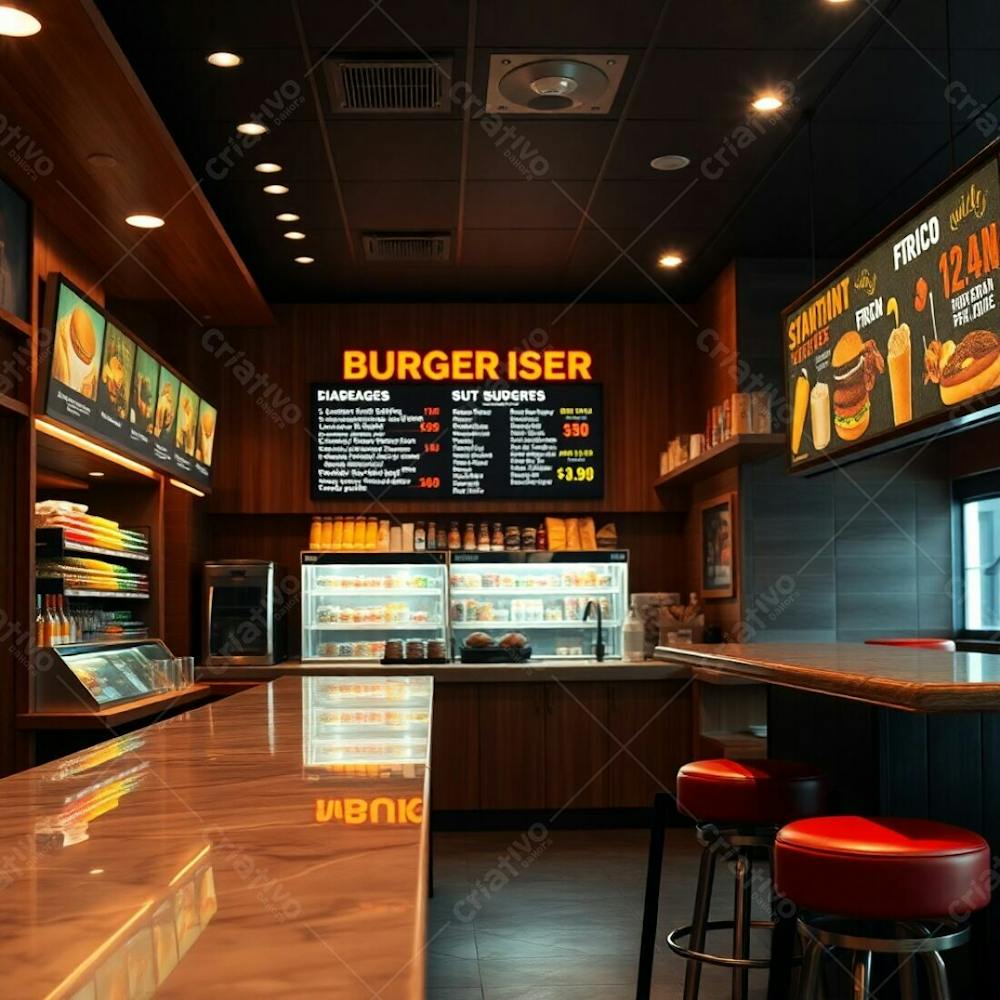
(401, 205)
(397, 26)
(519, 248)
(565, 25)
(535, 204)
(673, 204)
(395, 150)
(563, 149)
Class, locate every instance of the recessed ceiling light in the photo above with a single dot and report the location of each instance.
(304, 260)
(96, 871)
(275, 189)
(18, 23)
(96, 475)
(251, 128)
(294, 235)
(672, 161)
(225, 60)
(268, 168)
(767, 102)
(145, 221)
(670, 260)
(287, 217)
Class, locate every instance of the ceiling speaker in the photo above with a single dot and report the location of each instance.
(524, 83)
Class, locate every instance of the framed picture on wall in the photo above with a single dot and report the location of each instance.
(717, 518)
(15, 253)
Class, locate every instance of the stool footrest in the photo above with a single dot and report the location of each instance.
(841, 933)
(724, 960)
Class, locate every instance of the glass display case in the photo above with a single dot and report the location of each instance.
(100, 674)
(541, 595)
(353, 602)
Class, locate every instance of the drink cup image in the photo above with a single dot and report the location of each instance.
(900, 382)
(800, 402)
(819, 411)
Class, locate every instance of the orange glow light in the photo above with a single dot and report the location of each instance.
(184, 486)
(61, 434)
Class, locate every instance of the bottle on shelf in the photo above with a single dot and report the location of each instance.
(633, 637)
(336, 540)
(498, 537)
(432, 539)
(316, 533)
(51, 630)
(371, 534)
(325, 532)
(359, 532)
(347, 534)
(541, 538)
(454, 538)
(39, 622)
(419, 537)
(469, 538)
(483, 543)
(64, 636)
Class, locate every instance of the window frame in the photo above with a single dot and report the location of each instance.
(985, 486)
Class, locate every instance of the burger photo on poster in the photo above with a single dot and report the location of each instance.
(972, 367)
(856, 364)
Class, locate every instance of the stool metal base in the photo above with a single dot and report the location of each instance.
(673, 941)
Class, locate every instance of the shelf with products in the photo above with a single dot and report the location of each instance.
(53, 543)
(573, 623)
(374, 626)
(56, 585)
(736, 450)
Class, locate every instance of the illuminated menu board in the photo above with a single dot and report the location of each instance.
(457, 441)
(906, 338)
(104, 382)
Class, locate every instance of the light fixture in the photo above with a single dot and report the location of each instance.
(224, 60)
(68, 437)
(184, 486)
(96, 871)
(96, 475)
(671, 161)
(287, 217)
(767, 102)
(275, 189)
(251, 128)
(145, 221)
(304, 260)
(18, 23)
(268, 168)
(670, 260)
(102, 160)
(294, 234)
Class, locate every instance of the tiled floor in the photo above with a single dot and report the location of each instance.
(516, 919)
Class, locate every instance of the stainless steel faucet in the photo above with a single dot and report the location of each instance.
(599, 645)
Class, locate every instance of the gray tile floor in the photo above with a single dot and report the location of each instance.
(516, 919)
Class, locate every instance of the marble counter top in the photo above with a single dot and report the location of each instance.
(916, 680)
(533, 670)
(273, 844)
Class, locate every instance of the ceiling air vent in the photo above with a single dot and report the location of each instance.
(389, 85)
(528, 84)
(407, 248)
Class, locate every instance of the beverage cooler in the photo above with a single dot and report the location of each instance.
(542, 596)
(353, 602)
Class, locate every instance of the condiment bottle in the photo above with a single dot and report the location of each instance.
(497, 541)
(541, 538)
(337, 536)
(469, 538)
(359, 532)
(316, 533)
(432, 542)
(419, 537)
(454, 538)
(371, 534)
(348, 537)
(484, 537)
(325, 533)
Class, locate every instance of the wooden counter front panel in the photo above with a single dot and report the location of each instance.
(512, 746)
(576, 745)
(455, 747)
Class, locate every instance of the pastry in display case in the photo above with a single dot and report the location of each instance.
(533, 604)
(370, 606)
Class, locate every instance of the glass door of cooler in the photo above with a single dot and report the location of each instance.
(353, 602)
(542, 596)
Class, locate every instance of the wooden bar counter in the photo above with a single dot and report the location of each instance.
(272, 844)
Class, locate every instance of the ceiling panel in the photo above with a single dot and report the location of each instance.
(524, 204)
(563, 150)
(397, 150)
(401, 204)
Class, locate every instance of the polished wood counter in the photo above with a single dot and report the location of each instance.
(274, 844)
(914, 680)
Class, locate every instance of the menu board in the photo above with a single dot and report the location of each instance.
(457, 441)
(906, 338)
(104, 382)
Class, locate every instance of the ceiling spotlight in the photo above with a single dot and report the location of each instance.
(268, 168)
(304, 260)
(96, 475)
(672, 161)
(275, 189)
(670, 260)
(18, 23)
(767, 102)
(251, 128)
(224, 60)
(295, 235)
(145, 221)
(287, 217)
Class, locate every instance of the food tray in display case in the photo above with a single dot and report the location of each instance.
(98, 675)
(354, 602)
(538, 599)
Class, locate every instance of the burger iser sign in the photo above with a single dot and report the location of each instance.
(906, 338)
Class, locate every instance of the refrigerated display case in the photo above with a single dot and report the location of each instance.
(353, 602)
(541, 595)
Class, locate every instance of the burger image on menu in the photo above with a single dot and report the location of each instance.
(856, 365)
(76, 348)
(965, 369)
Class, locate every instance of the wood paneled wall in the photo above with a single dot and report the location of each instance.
(643, 355)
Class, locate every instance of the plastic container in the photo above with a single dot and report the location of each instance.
(633, 638)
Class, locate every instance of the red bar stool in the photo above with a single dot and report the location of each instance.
(875, 886)
(738, 807)
(944, 645)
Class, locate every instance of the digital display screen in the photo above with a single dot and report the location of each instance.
(904, 339)
(457, 441)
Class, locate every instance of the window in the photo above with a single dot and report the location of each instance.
(981, 564)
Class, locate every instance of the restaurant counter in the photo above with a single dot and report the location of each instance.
(275, 842)
(914, 680)
(531, 670)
